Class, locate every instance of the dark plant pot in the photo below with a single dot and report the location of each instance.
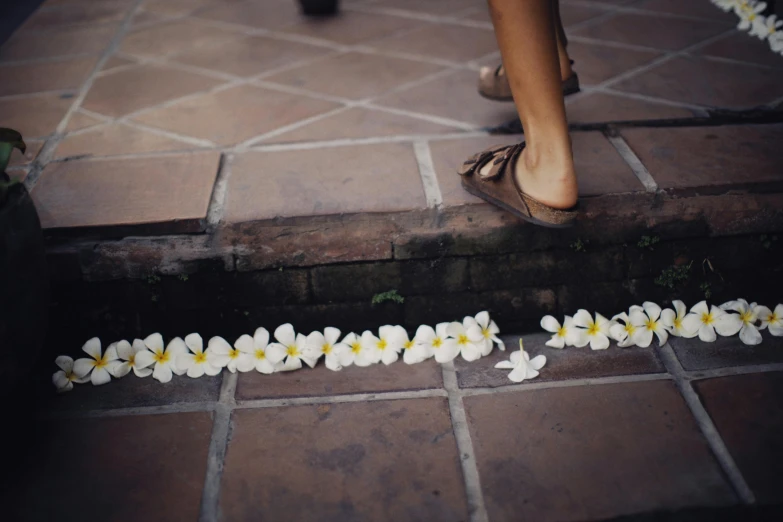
(319, 7)
(24, 289)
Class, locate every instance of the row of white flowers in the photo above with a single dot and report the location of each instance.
(640, 324)
(752, 19)
(471, 339)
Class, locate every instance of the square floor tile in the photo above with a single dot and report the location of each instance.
(452, 96)
(446, 42)
(268, 14)
(115, 139)
(354, 75)
(566, 364)
(592, 453)
(322, 381)
(18, 159)
(359, 122)
(669, 34)
(385, 460)
(180, 7)
(572, 14)
(694, 354)
(47, 76)
(705, 10)
(171, 37)
(131, 468)
(436, 7)
(739, 46)
(129, 90)
(602, 107)
(170, 191)
(231, 116)
(34, 116)
(748, 413)
(335, 180)
(351, 28)
(704, 157)
(28, 45)
(709, 83)
(93, 13)
(251, 55)
(597, 63)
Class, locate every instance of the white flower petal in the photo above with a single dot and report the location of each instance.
(154, 342)
(750, 335)
(162, 373)
(331, 334)
(518, 374)
(707, 334)
(60, 380)
(194, 342)
(219, 346)
(261, 338)
(583, 319)
(82, 367)
(120, 370)
(245, 344)
(538, 362)
(556, 342)
(727, 324)
(482, 318)
(100, 376)
(285, 334)
(142, 372)
(550, 324)
(680, 308)
(504, 365)
(599, 342)
(65, 363)
(124, 350)
(93, 348)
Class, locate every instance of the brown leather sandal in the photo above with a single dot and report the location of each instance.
(499, 186)
(493, 84)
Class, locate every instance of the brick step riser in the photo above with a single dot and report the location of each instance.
(518, 289)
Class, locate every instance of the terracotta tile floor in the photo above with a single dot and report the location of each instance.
(598, 435)
(126, 80)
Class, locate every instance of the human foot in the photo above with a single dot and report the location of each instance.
(493, 82)
(551, 180)
(492, 175)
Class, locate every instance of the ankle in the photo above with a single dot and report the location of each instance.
(548, 160)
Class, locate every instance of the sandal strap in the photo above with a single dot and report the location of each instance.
(478, 160)
(502, 162)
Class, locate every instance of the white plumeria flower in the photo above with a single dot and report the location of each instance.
(98, 363)
(648, 322)
(521, 365)
(467, 340)
(596, 330)
(360, 354)
(776, 41)
(413, 352)
(673, 320)
(294, 345)
(434, 341)
(708, 320)
(727, 5)
(748, 314)
(165, 358)
(134, 357)
(196, 362)
(563, 335)
(326, 344)
(625, 333)
(771, 320)
(64, 378)
(749, 14)
(768, 27)
(387, 345)
(489, 332)
(266, 357)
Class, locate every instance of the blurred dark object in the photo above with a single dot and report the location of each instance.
(320, 7)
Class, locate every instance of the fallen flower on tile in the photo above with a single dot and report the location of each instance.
(466, 340)
(134, 357)
(98, 365)
(521, 365)
(673, 320)
(165, 358)
(567, 334)
(647, 322)
(196, 363)
(596, 330)
(64, 378)
(294, 345)
(361, 354)
(434, 340)
(749, 333)
(711, 320)
(771, 320)
(326, 344)
(413, 352)
(489, 332)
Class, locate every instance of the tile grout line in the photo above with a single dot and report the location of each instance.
(633, 161)
(51, 144)
(467, 455)
(219, 189)
(221, 424)
(707, 427)
(339, 399)
(568, 383)
(429, 179)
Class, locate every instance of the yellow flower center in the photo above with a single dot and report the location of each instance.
(100, 362)
(408, 345)
(707, 318)
(233, 354)
(651, 324)
(462, 339)
(382, 344)
(292, 351)
(132, 360)
(200, 358)
(747, 317)
(773, 318)
(437, 342)
(161, 357)
(486, 333)
(326, 348)
(678, 323)
(70, 376)
(630, 329)
(356, 347)
(260, 354)
(592, 329)
(561, 332)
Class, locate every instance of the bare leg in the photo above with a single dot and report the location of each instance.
(525, 30)
(562, 42)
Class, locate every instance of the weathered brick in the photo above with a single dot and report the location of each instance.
(354, 282)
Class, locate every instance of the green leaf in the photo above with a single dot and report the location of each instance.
(9, 140)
